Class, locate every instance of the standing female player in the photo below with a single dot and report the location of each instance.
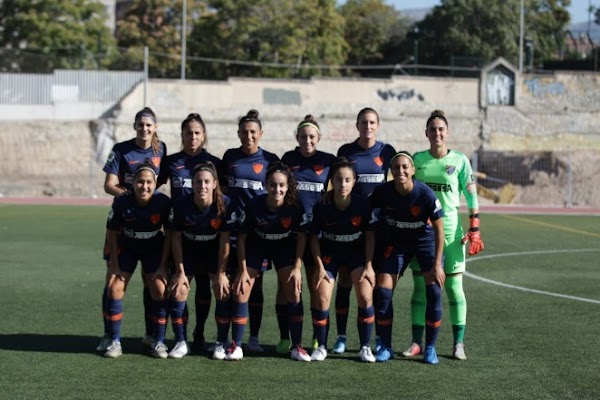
(177, 168)
(134, 226)
(371, 160)
(273, 231)
(245, 169)
(413, 219)
(448, 173)
(346, 239)
(202, 221)
(310, 168)
(120, 168)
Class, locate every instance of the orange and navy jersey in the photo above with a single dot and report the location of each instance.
(245, 175)
(342, 230)
(200, 228)
(371, 165)
(140, 227)
(406, 218)
(178, 167)
(311, 173)
(265, 226)
(126, 156)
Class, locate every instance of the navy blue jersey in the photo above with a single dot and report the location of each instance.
(126, 156)
(407, 218)
(371, 165)
(200, 227)
(178, 167)
(265, 226)
(342, 230)
(311, 173)
(246, 175)
(140, 227)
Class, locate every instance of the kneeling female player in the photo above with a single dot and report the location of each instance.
(135, 233)
(344, 227)
(273, 231)
(413, 219)
(202, 222)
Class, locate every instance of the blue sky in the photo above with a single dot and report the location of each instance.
(578, 8)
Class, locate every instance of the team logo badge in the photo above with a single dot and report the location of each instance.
(156, 161)
(286, 222)
(415, 211)
(450, 169)
(378, 161)
(155, 218)
(326, 260)
(356, 220)
(257, 168)
(388, 251)
(215, 223)
(318, 169)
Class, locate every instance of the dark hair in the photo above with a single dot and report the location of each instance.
(436, 114)
(195, 117)
(291, 197)
(364, 111)
(339, 163)
(308, 120)
(342, 162)
(251, 116)
(147, 112)
(148, 166)
(217, 194)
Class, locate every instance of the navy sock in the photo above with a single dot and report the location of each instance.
(255, 305)
(342, 306)
(296, 316)
(319, 320)
(365, 321)
(433, 313)
(239, 318)
(114, 316)
(202, 301)
(178, 311)
(223, 319)
(385, 315)
(159, 318)
(281, 310)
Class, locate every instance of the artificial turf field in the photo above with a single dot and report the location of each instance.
(535, 337)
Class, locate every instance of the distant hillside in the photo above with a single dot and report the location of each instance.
(582, 27)
(417, 14)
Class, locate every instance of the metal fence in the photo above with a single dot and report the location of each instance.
(67, 86)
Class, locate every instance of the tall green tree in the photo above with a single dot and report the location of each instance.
(486, 29)
(156, 24)
(260, 36)
(63, 33)
(370, 25)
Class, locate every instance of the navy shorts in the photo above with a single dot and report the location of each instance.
(280, 254)
(395, 259)
(150, 259)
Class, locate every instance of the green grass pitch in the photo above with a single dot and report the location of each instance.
(533, 329)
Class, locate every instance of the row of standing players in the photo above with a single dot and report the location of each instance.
(367, 229)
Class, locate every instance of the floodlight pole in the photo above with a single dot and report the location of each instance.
(521, 32)
(183, 37)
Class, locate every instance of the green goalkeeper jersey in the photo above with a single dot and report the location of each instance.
(448, 177)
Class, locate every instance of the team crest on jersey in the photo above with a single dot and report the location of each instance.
(356, 221)
(326, 260)
(155, 218)
(318, 169)
(415, 211)
(286, 222)
(215, 223)
(257, 168)
(378, 161)
(156, 161)
(450, 169)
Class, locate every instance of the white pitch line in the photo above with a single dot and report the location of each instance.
(524, 289)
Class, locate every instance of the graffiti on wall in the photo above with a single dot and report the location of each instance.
(544, 88)
(500, 87)
(399, 94)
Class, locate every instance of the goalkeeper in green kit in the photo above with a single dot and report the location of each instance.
(448, 173)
